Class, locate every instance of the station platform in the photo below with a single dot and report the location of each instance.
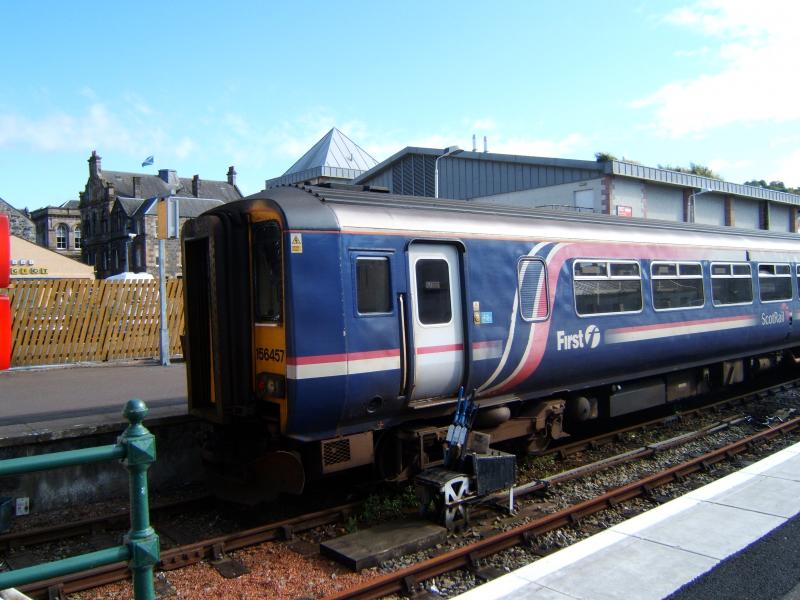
(42, 403)
(741, 531)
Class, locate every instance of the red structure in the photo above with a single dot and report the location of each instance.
(5, 304)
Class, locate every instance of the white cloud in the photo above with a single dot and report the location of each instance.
(185, 147)
(565, 146)
(96, 127)
(787, 170)
(483, 125)
(758, 54)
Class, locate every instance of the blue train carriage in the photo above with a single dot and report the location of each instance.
(330, 328)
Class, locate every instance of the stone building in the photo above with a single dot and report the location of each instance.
(118, 216)
(20, 221)
(58, 228)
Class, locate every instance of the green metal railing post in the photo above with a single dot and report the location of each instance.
(136, 448)
(142, 540)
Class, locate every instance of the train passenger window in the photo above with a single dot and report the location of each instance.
(731, 283)
(797, 273)
(677, 285)
(372, 285)
(433, 291)
(534, 304)
(774, 282)
(268, 271)
(606, 287)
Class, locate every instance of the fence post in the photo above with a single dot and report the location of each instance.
(141, 539)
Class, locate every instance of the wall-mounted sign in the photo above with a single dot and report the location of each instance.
(624, 211)
(28, 271)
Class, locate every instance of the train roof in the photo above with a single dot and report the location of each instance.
(358, 209)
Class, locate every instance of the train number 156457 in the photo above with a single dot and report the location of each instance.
(274, 354)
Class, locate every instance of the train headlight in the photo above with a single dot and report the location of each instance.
(270, 385)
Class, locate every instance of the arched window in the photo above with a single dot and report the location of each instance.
(62, 235)
(77, 237)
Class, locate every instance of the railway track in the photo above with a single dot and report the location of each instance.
(215, 549)
(408, 580)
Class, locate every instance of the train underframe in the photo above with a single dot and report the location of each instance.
(253, 462)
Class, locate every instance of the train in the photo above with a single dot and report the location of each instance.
(330, 328)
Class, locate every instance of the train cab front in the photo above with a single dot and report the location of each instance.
(235, 349)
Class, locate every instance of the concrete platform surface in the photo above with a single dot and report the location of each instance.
(654, 554)
(39, 401)
(367, 548)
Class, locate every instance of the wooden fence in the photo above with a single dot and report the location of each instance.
(77, 320)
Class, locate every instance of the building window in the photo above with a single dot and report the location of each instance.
(677, 285)
(77, 235)
(731, 283)
(774, 282)
(532, 289)
(604, 287)
(62, 234)
(433, 291)
(372, 285)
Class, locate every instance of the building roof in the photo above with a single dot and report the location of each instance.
(482, 156)
(189, 207)
(71, 204)
(335, 149)
(577, 169)
(130, 205)
(6, 208)
(151, 186)
(335, 156)
(637, 171)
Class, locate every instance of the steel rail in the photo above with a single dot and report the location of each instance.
(181, 556)
(467, 556)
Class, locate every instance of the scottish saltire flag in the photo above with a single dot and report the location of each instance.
(148, 161)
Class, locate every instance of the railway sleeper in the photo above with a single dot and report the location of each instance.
(226, 566)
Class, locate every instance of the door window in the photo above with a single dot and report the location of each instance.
(433, 291)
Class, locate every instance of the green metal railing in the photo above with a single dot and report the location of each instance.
(136, 448)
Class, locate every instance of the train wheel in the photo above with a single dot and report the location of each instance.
(538, 443)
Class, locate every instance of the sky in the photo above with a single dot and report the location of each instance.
(205, 85)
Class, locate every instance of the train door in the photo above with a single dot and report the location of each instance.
(436, 320)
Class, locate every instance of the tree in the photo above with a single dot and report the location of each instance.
(693, 169)
(778, 186)
(604, 156)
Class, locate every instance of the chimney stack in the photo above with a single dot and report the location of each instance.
(169, 177)
(94, 165)
(231, 175)
(196, 186)
(474, 147)
(485, 145)
(137, 186)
